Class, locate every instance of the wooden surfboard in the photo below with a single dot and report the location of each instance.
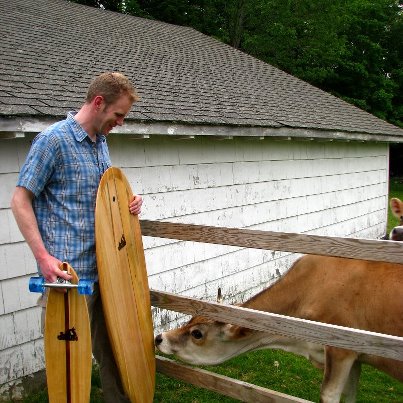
(124, 286)
(68, 354)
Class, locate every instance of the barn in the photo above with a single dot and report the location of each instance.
(218, 138)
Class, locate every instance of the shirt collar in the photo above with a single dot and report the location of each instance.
(79, 133)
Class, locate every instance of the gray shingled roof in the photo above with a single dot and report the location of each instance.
(50, 50)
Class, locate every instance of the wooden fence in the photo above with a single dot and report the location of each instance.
(321, 333)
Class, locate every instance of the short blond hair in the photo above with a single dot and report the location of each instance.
(111, 86)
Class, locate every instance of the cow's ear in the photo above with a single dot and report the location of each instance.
(219, 296)
(237, 332)
(243, 331)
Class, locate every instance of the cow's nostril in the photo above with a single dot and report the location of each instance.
(158, 339)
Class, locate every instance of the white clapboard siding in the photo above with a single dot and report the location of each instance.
(9, 231)
(21, 343)
(175, 255)
(14, 329)
(13, 153)
(220, 267)
(275, 212)
(170, 178)
(327, 188)
(202, 263)
(16, 260)
(267, 272)
(162, 151)
(8, 182)
(9, 161)
(337, 189)
(21, 360)
(181, 203)
(16, 295)
(1, 299)
(158, 179)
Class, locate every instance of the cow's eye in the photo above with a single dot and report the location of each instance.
(197, 334)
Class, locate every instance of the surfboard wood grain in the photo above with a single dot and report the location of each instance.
(68, 354)
(124, 286)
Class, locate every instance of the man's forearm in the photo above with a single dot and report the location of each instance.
(21, 206)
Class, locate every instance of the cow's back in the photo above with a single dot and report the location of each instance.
(347, 292)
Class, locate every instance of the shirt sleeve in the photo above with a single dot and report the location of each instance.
(40, 164)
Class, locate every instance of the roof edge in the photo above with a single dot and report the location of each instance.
(18, 126)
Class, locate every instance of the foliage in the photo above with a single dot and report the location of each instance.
(351, 48)
(112, 5)
(371, 72)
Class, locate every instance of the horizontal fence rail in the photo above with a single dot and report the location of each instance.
(377, 250)
(224, 385)
(321, 333)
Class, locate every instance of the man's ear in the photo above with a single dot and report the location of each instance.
(98, 101)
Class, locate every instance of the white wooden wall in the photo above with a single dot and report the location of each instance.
(325, 188)
(21, 346)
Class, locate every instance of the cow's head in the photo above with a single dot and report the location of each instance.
(396, 207)
(204, 341)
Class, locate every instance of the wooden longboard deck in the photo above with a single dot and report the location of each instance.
(124, 286)
(68, 363)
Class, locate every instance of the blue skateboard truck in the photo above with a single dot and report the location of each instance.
(38, 284)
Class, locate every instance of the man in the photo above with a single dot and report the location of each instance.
(54, 201)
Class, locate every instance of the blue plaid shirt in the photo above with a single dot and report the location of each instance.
(63, 169)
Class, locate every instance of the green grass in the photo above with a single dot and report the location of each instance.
(276, 370)
(283, 372)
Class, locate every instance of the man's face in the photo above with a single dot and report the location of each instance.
(113, 114)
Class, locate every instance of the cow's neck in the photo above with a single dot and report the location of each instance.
(261, 340)
(281, 298)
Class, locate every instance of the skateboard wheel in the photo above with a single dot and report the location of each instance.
(36, 284)
(85, 287)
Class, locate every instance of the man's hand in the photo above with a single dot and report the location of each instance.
(135, 204)
(50, 269)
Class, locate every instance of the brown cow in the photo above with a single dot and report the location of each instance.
(353, 293)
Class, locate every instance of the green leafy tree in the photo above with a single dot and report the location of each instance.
(351, 48)
(113, 5)
(364, 76)
(300, 37)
